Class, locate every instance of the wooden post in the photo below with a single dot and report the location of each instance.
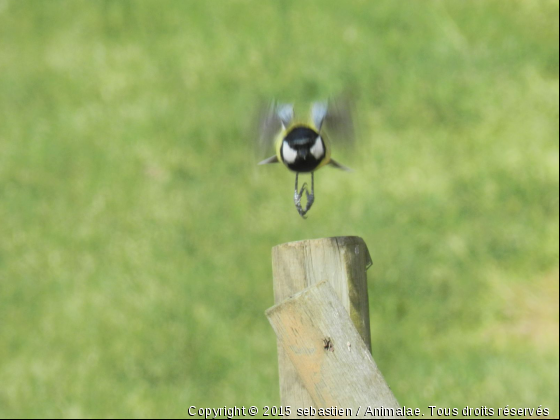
(342, 262)
(331, 359)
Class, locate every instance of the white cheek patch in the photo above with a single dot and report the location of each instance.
(288, 154)
(318, 150)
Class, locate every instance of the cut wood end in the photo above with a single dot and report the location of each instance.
(340, 240)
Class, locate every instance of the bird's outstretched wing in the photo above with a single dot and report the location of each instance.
(272, 117)
(340, 166)
(335, 117)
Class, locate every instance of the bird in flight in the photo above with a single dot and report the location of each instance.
(305, 146)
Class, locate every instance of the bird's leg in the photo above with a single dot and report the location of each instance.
(310, 197)
(297, 197)
(299, 194)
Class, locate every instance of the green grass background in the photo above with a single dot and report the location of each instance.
(135, 229)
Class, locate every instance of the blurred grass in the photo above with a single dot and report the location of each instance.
(135, 231)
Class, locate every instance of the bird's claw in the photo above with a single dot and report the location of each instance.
(310, 196)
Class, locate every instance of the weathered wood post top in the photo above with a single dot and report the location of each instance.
(341, 260)
(321, 320)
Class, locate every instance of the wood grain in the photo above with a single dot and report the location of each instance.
(342, 261)
(345, 375)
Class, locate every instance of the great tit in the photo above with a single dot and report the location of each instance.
(304, 147)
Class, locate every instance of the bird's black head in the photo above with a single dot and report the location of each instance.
(302, 149)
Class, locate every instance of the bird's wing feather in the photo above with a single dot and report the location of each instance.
(272, 118)
(337, 120)
(285, 113)
(272, 159)
(340, 166)
(319, 113)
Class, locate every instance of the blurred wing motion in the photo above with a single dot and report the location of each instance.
(272, 120)
(340, 166)
(304, 147)
(334, 118)
(337, 120)
(331, 117)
